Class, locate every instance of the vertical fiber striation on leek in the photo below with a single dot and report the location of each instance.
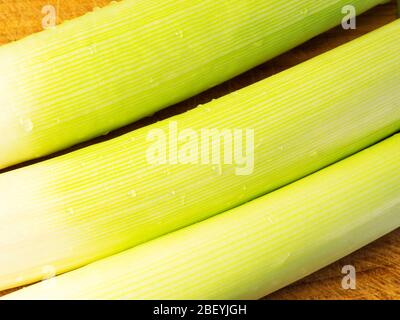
(97, 201)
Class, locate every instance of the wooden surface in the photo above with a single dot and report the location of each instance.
(377, 265)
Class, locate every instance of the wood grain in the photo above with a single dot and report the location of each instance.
(377, 265)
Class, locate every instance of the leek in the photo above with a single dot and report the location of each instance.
(256, 248)
(118, 64)
(72, 210)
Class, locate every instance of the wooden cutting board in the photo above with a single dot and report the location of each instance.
(377, 265)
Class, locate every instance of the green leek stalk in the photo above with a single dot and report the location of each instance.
(256, 248)
(126, 61)
(72, 210)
